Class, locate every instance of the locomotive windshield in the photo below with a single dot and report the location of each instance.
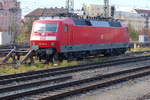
(45, 27)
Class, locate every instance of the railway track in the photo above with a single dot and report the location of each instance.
(73, 87)
(51, 74)
(6, 79)
(85, 85)
(65, 70)
(34, 84)
(5, 49)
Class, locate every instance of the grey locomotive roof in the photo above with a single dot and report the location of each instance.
(97, 23)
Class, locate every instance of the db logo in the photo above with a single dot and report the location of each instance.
(102, 36)
(43, 38)
(43, 34)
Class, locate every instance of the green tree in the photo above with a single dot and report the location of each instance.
(133, 33)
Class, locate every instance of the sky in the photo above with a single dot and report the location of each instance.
(29, 5)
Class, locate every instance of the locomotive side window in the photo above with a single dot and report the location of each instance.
(45, 27)
(115, 24)
(65, 28)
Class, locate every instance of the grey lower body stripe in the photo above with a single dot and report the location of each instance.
(90, 47)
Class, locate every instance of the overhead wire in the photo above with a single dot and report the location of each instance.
(28, 5)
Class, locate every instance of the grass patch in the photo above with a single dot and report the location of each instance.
(24, 68)
(140, 49)
(12, 70)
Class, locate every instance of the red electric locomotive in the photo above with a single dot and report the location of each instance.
(68, 38)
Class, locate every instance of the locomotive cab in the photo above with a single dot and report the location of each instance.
(44, 34)
(44, 37)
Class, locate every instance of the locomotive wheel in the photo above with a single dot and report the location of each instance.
(107, 53)
(61, 58)
(116, 52)
(55, 58)
(48, 59)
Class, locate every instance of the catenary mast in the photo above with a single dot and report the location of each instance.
(106, 8)
(70, 6)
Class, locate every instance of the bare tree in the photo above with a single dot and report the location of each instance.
(24, 36)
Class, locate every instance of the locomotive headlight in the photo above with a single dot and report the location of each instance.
(33, 43)
(52, 44)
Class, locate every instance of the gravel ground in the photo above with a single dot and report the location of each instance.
(92, 73)
(137, 89)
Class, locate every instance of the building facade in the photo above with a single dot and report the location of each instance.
(44, 12)
(126, 17)
(10, 18)
(133, 18)
(93, 10)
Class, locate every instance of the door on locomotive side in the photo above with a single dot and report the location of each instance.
(67, 30)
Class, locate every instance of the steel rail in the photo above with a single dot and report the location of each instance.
(103, 83)
(34, 84)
